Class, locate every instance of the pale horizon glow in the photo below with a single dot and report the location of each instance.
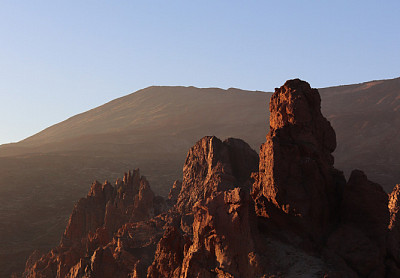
(59, 59)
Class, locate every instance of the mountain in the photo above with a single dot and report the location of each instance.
(42, 176)
(287, 212)
(366, 118)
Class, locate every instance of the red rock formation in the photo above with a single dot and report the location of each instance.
(169, 254)
(143, 203)
(224, 240)
(174, 192)
(296, 176)
(108, 225)
(217, 228)
(393, 239)
(394, 207)
(212, 166)
(92, 224)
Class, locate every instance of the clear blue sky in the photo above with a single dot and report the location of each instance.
(60, 58)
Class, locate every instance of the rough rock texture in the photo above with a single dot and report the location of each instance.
(169, 254)
(294, 216)
(174, 192)
(394, 207)
(92, 224)
(393, 239)
(224, 240)
(296, 176)
(212, 166)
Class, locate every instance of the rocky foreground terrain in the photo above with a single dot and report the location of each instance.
(42, 176)
(286, 212)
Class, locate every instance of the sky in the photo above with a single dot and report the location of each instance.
(61, 58)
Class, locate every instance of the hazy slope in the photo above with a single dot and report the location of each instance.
(42, 176)
(366, 118)
(165, 110)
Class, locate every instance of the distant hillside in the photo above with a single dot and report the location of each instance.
(164, 110)
(366, 118)
(42, 176)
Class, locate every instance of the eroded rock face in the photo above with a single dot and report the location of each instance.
(92, 224)
(213, 166)
(211, 170)
(296, 175)
(224, 238)
(393, 240)
(109, 231)
(394, 207)
(169, 254)
(174, 192)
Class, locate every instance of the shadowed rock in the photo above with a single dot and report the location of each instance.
(360, 238)
(174, 192)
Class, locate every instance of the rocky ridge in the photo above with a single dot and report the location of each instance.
(286, 213)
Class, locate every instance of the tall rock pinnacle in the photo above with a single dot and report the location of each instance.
(296, 175)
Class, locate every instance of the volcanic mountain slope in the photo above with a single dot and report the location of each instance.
(366, 118)
(286, 213)
(42, 176)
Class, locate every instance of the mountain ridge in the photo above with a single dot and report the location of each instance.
(134, 99)
(340, 88)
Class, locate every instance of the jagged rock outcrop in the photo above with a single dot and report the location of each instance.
(296, 177)
(213, 166)
(393, 239)
(169, 254)
(224, 241)
(108, 231)
(130, 252)
(174, 192)
(92, 224)
(394, 208)
(289, 214)
(211, 170)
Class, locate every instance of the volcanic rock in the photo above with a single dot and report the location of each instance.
(174, 192)
(169, 254)
(361, 236)
(93, 222)
(293, 216)
(394, 225)
(224, 237)
(296, 177)
(213, 166)
(365, 206)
